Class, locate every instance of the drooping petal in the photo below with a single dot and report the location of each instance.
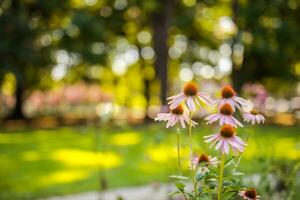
(209, 117)
(176, 120)
(190, 103)
(236, 145)
(211, 138)
(187, 120)
(221, 120)
(170, 121)
(175, 96)
(177, 101)
(219, 143)
(238, 139)
(162, 116)
(226, 146)
(204, 97)
(240, 100)
(237, 123)
(181, 119)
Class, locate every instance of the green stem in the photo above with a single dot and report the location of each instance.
(195, 187)
(191, 140)
(178, 156)
(185, 198)
(178, 150)
(191, 152)
(221, 177)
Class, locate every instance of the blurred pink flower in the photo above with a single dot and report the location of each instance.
(190, 96)
(257, 93)
(226, 138)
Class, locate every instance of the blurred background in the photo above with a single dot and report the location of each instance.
(82, 80)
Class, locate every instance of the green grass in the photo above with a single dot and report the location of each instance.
(38, 163)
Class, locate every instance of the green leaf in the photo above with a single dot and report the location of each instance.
(199, 176)
(179, 177)
(173, 193)
(180, 186)
(227, 183)
(229, 161)
(237, 173)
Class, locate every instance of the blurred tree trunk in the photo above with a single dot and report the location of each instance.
(160, 22)
(18, 109)
(237, 75)
(147, 93)
(17, 112)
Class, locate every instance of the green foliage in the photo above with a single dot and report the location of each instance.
(32, 155)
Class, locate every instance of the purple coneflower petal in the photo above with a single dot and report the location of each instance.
(237, 123)
(226, 146)
(181, 119)
(211, 138)
(219, 144)
(175, 96)
(176, 101)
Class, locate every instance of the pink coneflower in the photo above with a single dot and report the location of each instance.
(224, 116)
(229, 96)
(205, 160)
(176, 115)
(225, 138)
(254, 117)
(190, 96)
(249, 194)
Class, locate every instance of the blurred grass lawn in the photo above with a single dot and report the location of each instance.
(38, 163)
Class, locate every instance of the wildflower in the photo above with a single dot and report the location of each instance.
(224, 116)
(254, 117)
(229, 96)
(205, 160)
(190, 96)
(226, 138)
(249, 194)
(177, 115)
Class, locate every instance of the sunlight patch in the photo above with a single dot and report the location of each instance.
(164, 153)
(65, 176)
(75, 157)
(283, 148)
(124, 139)
(287, 148)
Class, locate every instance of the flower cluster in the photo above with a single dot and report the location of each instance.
(226, 140)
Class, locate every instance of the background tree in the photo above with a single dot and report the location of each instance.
(24, 42)
(269, 31)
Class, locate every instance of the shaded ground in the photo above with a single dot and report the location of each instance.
(39, 163)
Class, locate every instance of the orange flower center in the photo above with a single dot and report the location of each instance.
(227, 92)
(203, 159)
(226, 109)
(251, 193)
(227, 131)
(254, 112)
(178, 110)
(190, 89)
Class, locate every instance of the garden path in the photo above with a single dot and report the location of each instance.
(147, 192)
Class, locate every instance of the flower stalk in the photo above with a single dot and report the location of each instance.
(220, 185)
(191, 140)
(178, 150)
